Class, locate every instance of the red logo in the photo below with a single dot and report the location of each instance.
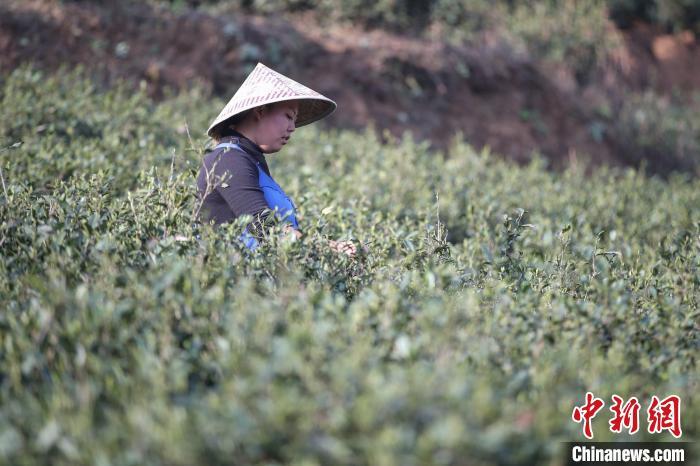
(662, 415)
(665, 415)
(626, 415)
(587, 412)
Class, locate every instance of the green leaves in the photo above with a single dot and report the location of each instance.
(129, 332)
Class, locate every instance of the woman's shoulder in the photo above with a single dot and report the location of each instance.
(228, 155)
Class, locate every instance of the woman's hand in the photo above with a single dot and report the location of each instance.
(290, 229)
(346, 247)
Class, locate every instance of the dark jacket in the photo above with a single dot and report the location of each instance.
(233, 184)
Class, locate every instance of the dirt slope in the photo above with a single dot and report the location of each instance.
(487, 92)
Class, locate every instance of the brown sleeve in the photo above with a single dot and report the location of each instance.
(235, 177)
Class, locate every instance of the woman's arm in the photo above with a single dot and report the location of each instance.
(290, 229)
(238, 184)
(235, 179)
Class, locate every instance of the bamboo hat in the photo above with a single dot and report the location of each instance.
(265, 86)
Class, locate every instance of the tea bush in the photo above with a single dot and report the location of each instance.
(488, 300)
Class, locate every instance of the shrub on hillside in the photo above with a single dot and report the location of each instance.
(569, 31)
(660, 132)
(565, 31)
(673, 15)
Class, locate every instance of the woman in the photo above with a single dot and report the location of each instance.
(259, 119)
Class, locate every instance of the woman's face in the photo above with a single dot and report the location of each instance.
(275, 124)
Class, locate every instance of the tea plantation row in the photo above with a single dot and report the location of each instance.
(130, 334)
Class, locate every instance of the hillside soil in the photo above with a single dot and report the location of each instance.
(485, 91)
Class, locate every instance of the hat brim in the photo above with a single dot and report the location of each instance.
(311, 109)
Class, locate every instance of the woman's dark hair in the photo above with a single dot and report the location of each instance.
(227, 128)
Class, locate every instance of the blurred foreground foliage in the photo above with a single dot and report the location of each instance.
(489, 300)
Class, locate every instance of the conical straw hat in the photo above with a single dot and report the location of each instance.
(265, 86)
